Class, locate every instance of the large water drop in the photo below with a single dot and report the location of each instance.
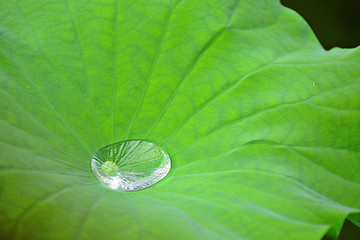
(130, 165)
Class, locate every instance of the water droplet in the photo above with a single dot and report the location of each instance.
(130, 165)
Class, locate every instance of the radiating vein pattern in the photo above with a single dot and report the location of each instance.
(225, 86)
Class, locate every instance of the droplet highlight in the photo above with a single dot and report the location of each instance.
(130, 165)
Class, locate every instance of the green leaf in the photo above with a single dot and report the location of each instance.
(225, 86)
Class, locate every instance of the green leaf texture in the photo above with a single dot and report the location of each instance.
(225, 86)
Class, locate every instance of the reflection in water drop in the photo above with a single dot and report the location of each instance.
(130, 165)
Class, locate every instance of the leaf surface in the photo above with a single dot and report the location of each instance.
(261, 123)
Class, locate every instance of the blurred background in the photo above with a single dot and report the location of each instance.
(336, 23)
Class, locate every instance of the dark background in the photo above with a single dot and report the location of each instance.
(336, 23)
